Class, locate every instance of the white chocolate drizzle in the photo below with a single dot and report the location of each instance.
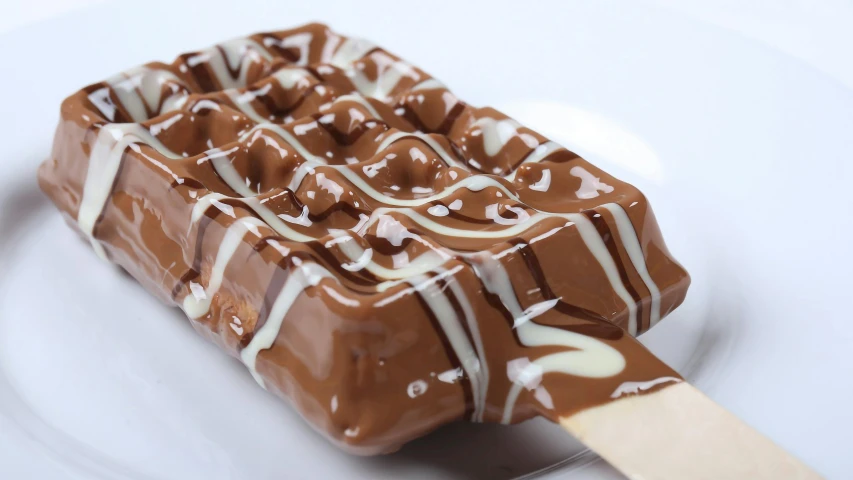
(497, 133)
(104, 164)
(197, 303)
(390, 139)
(350, 51)
(302, 41)
(387, 79)
(588, 357)
(137, 89)
(450, 323)
(632, 388)
(301, 277)
(267, 215)
(598, 249)
(428, 84)
(226, 55)
(290, 77)
(223, 166)
(474, 329)
(635, 252)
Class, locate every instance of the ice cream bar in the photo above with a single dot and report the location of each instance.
(380, 253)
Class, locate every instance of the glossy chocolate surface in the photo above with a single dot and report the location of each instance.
(384, 255)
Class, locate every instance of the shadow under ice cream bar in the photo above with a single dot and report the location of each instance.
(384, 255)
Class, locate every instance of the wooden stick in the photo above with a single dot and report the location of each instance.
(677, 433)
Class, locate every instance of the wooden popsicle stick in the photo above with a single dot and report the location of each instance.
(677, 433)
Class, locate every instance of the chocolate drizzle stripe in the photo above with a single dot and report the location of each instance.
(299, 101)
(284, 268)
(482, 221)
(414, 120)
(367, 279)
(345, 207)
(451, 117)
(535, 269)
(464, 382)
(201, 74)
(386, 248)
(95, 111)
(442, 285)
(276, 284)
(460, 315)
(348, 139)
(264, 242)
(274, 47)
(371, 52)
(365, 283)
(109, 198)
(122, 115)
(636, 253)
(255, 175)
(219, 175)
(90, 89)
(599, 326)
(323, 256)
(492, 299)
(549, 157)
(610, 242)
(195, 271)
(470, 403)
(149, 113)
(265, 100)
(233, 73)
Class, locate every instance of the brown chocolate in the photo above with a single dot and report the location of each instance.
(384, 255)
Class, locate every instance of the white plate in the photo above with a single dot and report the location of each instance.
(742, 150)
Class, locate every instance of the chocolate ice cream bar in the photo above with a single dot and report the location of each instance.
(382, 254)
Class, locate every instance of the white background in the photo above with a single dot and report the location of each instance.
(817, 32)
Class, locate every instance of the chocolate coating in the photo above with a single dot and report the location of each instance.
(384, 255)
